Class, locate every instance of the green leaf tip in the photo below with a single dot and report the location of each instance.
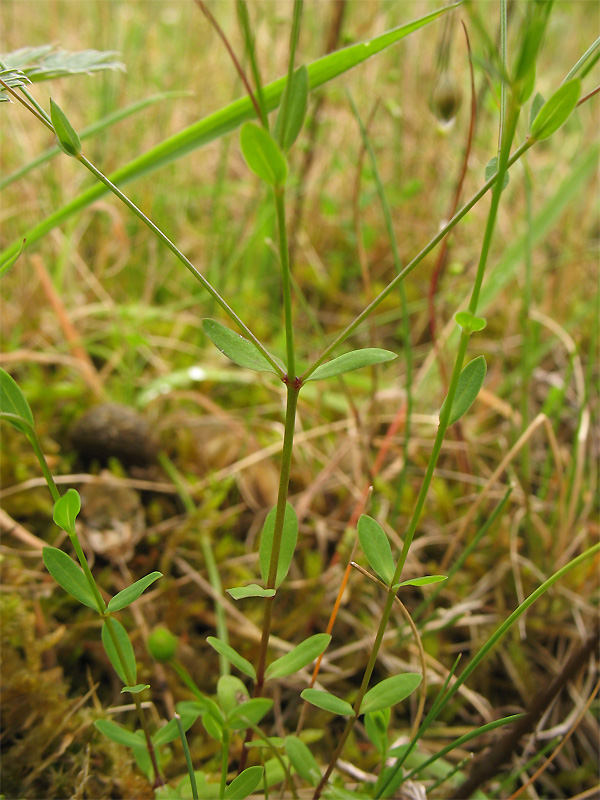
(66, 510)
(296, 109)
(240, 350)
(556, 110)
(376, 547)
(351, 361)
(468, 387)
(13, 402)
(68, 141)
(263, 155)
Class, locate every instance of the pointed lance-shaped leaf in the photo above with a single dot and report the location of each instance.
(289, 537)
(236, 347)
(389, 692)
(69, 575)
(299, 657)
(12, 401)
(556, 110)
(244, 784)
(131, 593)
(328, 702)
(68, 141)
(350, 361)
(232, 655)
(296, 109)
(376, 547)
(116, 733)
(125, 647)
(469, 383)
(262, 154)
(302, 760)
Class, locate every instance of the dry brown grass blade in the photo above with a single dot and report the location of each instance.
(540, 420)
(88, 371)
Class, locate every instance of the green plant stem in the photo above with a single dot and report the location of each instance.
(284, 256)
(224, 762)
(185, 261)
(188, 757)
(368, 310)
(508, 135)
(158, 779)
(284, 479)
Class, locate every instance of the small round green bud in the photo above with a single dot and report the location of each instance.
(446, 99)
(162, 644)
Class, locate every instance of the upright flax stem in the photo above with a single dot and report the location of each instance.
(284, 480)
(284, 257)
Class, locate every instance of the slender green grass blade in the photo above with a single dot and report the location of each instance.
(225, 120)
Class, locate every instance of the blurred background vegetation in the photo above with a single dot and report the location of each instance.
(98, 311)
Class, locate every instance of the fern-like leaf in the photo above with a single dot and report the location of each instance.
(46, 62)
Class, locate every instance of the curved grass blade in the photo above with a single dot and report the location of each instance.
(226, 120)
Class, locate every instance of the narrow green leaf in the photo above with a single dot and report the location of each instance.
(116, 733)
(349, 361)
(536, 104)
(289, 537)
(469, 383)
(251, 711)
(188, 712)
(69, 575)
(12, 401)
(389, 692)
(302, 760)
(244, 784)
(328, 702)
(376, 724)
(68, 141)
(296, 110)
(236, 659)
(299, 657)
(228, 119)
(8, 264)
(469, 322)
(425, 581)
(236, 347)
(262, 154)
(137, 689)
(556, 110)
(491, 168)
(125, 647)
(66, 510)
(252, 590)
(131, 593)
(376, 548)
